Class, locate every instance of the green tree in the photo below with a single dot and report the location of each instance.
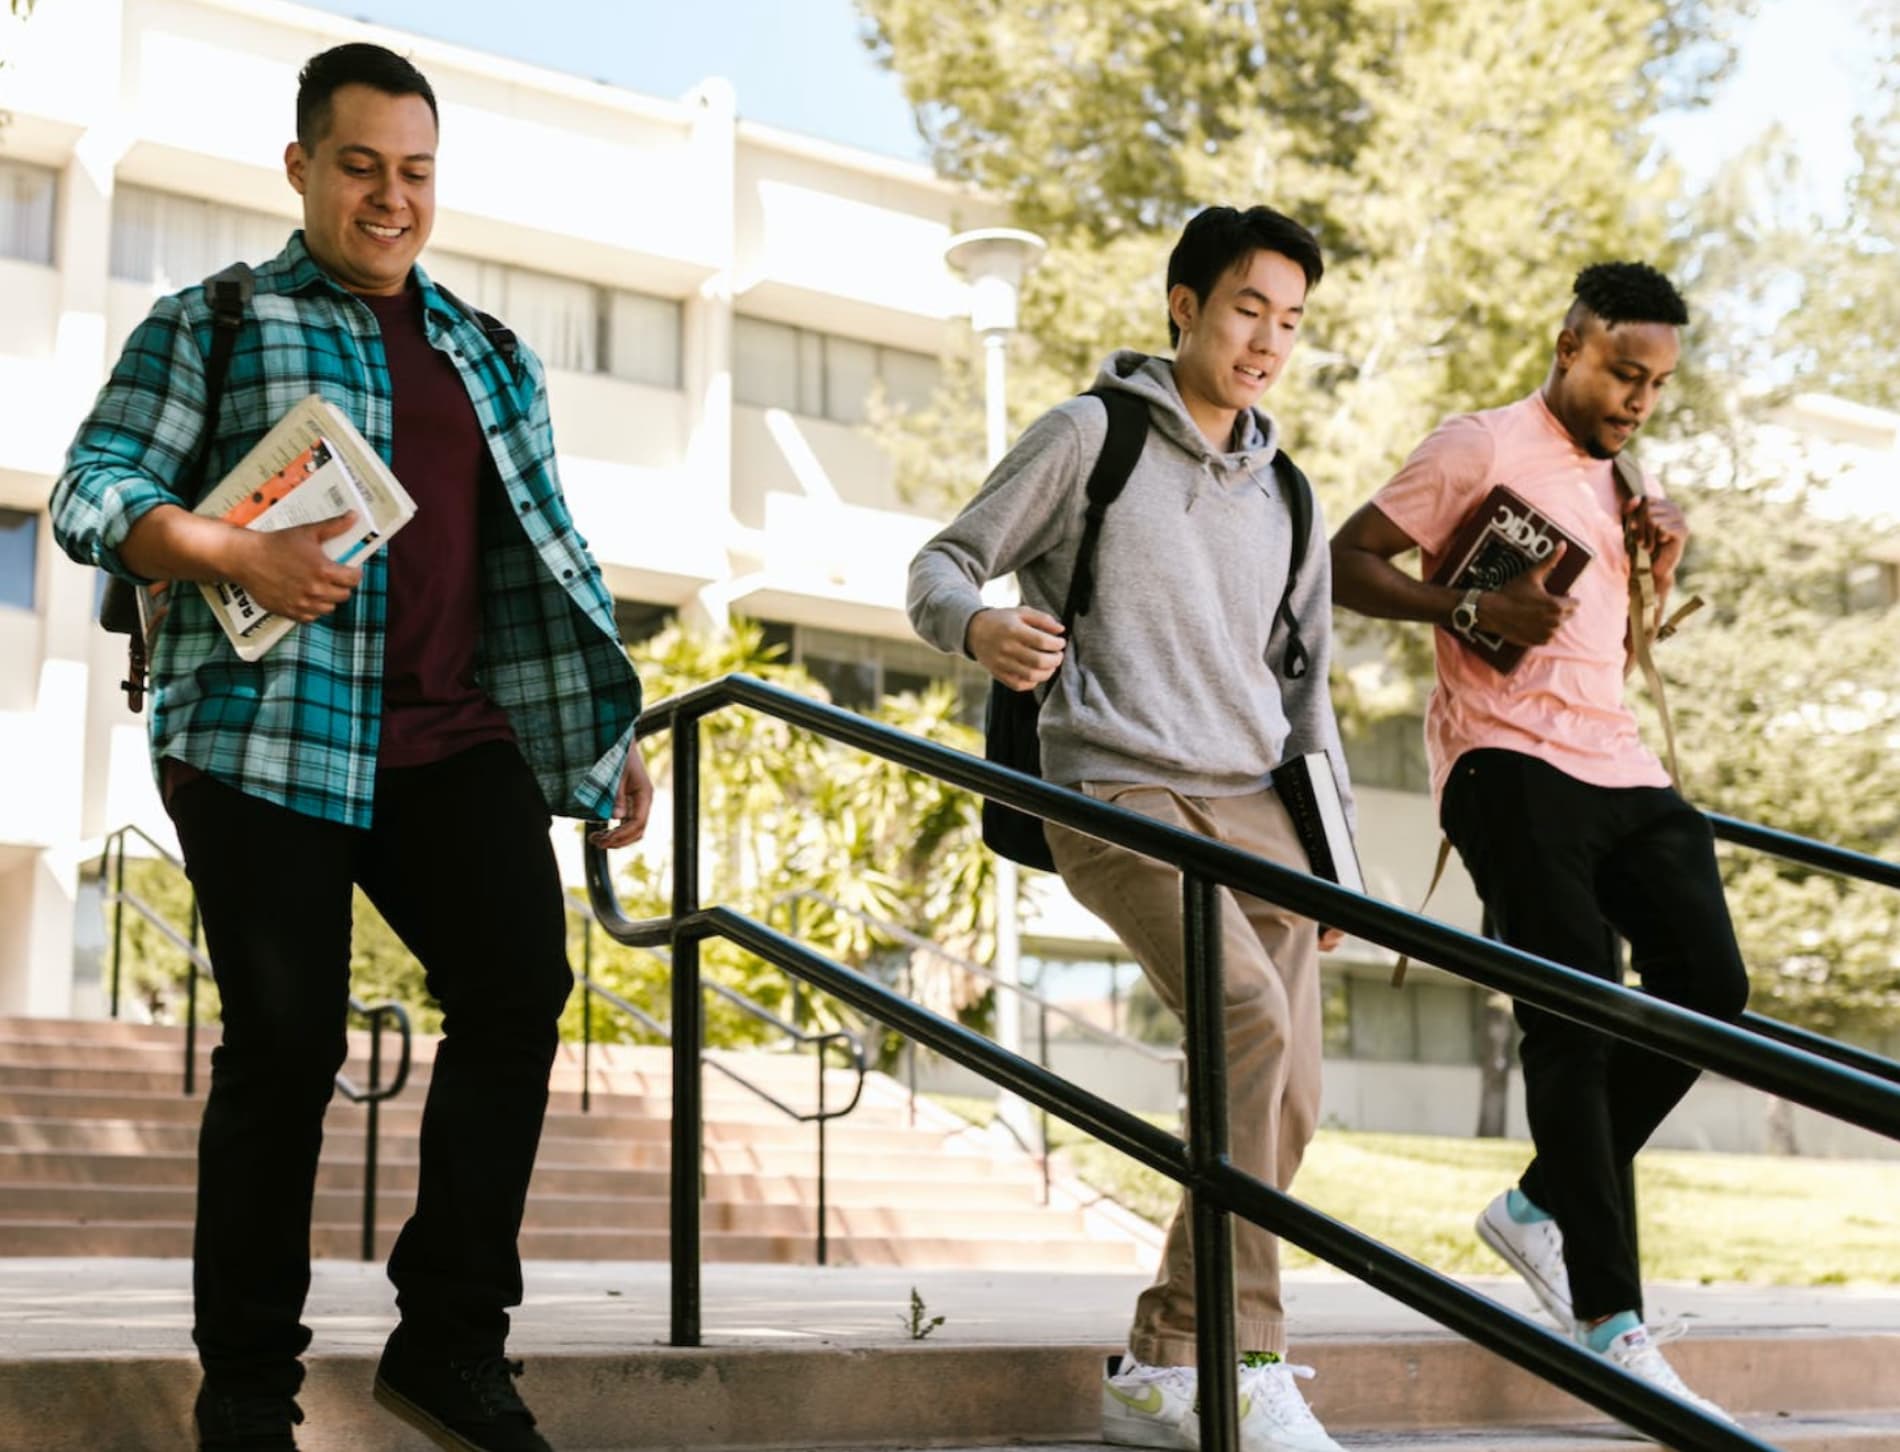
(1460, 162)
(1850, 312)
(783, 813)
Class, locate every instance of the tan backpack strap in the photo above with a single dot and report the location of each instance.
(1438, 871)
(1646, 622)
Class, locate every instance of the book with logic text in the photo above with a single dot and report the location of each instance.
(1504, 537)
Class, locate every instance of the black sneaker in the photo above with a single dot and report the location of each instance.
(462, 1405)
(246, 1423)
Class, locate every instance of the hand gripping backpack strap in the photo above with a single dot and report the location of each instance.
(1646, 623)
(123, 610)
(1010, 726)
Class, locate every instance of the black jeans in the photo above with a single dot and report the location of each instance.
(459, 863)
(1564, 868)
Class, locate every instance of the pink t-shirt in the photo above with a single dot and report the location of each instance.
(1564, 702)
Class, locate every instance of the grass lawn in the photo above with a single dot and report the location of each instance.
(1769, 1220)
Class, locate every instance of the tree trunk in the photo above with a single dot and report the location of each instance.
(1494, 1067)
(1781, 1137)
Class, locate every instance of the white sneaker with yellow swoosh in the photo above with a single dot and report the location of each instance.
(1150, 1406)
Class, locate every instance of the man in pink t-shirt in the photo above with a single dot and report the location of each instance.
(1564, 818)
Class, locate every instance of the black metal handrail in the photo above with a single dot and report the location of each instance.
(821, 1042)
(1216, 1189)
(1043, 1005)
(1825, 855)
(1842, 862)
(371, 1095)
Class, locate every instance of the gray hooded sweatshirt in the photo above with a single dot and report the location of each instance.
(1172, 678)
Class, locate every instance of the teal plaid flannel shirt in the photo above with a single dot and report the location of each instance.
(300, 726)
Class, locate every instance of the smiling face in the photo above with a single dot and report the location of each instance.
(1234, 345)
(1606, 380)
(368, 187)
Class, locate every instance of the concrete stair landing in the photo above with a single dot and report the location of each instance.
(94, 1355)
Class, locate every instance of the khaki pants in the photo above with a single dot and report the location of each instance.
(1270, 960)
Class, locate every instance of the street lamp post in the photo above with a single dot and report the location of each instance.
(995, 260)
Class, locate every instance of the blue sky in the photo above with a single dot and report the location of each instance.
(801, 65)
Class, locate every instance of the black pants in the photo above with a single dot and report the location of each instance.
(459, 862)
(1563, 868)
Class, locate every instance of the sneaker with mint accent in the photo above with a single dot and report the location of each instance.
(1535, 1251)
(1274, 1417)
(1150, 1406)
(1637, 1353)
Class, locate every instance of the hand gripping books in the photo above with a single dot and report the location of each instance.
(1504, 537)
(312, 467)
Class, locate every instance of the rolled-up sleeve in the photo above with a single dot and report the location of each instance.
(131, 453)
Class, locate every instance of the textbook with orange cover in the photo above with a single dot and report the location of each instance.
(312, 467)
(1504, 537)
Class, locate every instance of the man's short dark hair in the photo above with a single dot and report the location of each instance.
(1219, 239)
(356, 64)
(1628, 292)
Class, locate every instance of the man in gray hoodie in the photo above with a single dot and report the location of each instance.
(1171, 701)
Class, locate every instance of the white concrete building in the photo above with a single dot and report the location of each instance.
(714, 300)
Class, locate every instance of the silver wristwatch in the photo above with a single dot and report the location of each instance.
(1464, 615)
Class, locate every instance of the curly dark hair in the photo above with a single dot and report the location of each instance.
(1630, 292)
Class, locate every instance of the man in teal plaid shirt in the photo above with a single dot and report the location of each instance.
(412, 736)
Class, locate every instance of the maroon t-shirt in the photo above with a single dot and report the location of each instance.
(432, 705)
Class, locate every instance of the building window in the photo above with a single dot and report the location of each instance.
(858, 671)
(823, 375)
(1872, 585)
(1390, 752)
(572, 325)
(173, 242)
(642, 338)
(27, 195)
(638, 620)
(1424, 1023)
(19, 559)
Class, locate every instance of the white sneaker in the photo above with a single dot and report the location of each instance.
(1274, 1417)
(1637, 1353)
(1150, 1406)
(1534, 1251)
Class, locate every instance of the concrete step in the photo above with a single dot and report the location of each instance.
(1871, 1433)
(77, 1169)
(79, 1205)
(404, 1116)
(84, 1040)
(608, 1071)
(733, 1152)
(343, 1241)
(344, 1143)
(623, 1097)
(909, 1395)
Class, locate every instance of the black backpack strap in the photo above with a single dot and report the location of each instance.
(1298, 493)
(500, 336)
(1121, 451)
(228, 292)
